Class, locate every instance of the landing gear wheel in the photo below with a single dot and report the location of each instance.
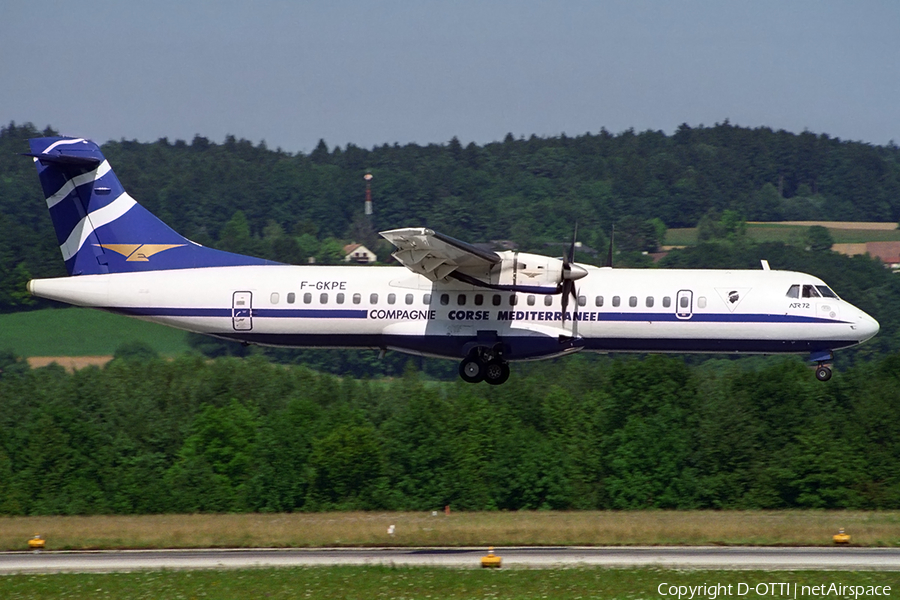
(496, 372)
(472, 370)
(823, 373)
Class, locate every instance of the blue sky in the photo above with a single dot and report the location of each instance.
(370, 73)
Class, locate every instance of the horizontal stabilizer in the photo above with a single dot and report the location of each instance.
(66, 159)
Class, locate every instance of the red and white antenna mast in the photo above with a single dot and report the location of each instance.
(368, 178)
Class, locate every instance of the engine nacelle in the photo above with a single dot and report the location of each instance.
(523, 270)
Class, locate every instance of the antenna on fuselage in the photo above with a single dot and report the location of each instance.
(765, 265)
(612, 235)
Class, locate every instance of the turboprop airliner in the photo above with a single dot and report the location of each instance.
(447, 298)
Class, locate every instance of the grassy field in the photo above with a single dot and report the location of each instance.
(82, 331)
(784, 232)
(366, 583)
(800, 528)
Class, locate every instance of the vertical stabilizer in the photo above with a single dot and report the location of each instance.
(99, 227)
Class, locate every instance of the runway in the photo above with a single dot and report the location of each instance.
(705, 557)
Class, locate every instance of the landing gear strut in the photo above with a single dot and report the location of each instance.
(484, 364)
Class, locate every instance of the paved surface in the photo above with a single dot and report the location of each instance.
(543, 557)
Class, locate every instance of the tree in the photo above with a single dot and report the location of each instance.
(215, 463)
(818, 239)
(346, 464)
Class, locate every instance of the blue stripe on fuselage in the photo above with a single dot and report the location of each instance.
(256, 313)
(343, 313)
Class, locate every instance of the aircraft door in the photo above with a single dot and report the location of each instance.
(242, 311)
(684, 304)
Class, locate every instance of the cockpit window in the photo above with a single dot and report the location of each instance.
(809, 291)
(826, 291)
(794, 291)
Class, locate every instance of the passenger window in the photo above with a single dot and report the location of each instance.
(683, 302)
(373, 298)
(357, 298)
(479, 299)
(323, 298)
(649, 302)
(667, 301)
(598, 301)
(409, 298)
(461, 300)
(445, 299)
(392, 298)
(274, 298)
(530, 300)
(809, 291)
(548, 300)
(632, 301)
(291, 297)
(513, 300)
(701, 302)
(307, 298)
(426, 299)
(496, 300)
(582, 300)
(826, 291)
(616, 301)
(793, 291)
(340, 298)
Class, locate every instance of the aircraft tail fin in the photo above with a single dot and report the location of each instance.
(99, 227)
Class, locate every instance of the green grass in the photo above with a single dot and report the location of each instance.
(82, 332)
(372, 582)
(774, 232)
(488, 528)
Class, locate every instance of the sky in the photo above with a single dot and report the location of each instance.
(369, 73)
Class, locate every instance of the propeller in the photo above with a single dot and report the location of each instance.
(570, 273)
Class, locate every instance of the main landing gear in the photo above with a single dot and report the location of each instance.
(484, 364)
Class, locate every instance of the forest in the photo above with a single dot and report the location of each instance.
(236, 429)
(146, 435)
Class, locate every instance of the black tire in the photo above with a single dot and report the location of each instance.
(471, 370)
(496, 372)
(823, 373)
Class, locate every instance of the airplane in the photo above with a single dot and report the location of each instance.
(447, 299)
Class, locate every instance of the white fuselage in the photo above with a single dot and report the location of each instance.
(646, 310)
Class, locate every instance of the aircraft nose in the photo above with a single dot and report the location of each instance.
(866, 326)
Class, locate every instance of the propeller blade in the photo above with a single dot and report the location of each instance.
(565, 298)
(571, 256)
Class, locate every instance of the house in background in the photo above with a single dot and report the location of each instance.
(359, 254)
(887, 252)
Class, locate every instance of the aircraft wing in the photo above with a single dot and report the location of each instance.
(436, 255)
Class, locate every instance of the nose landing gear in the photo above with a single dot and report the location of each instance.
(823, 371)
(484, 364)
